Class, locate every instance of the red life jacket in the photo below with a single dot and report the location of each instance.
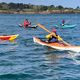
(26, 23)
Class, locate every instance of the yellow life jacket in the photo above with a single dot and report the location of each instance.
(58, 37)
(49, 36)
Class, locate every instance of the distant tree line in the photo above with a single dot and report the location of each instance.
(31, 7)
(21, 6)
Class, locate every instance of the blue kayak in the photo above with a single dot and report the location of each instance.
(68, 26)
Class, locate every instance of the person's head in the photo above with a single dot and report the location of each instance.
(54, 30)
(63, 21)
(26, 19)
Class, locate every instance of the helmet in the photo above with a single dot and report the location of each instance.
(54, 30)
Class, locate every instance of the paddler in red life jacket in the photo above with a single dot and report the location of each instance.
(27, 23)
(51, 38)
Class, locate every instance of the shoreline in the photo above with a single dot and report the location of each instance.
(40, 12)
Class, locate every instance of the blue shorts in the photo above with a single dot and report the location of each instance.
(53, 40)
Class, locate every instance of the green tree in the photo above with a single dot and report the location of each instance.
(78, 7)
(60, 7)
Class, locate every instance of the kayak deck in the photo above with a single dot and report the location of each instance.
(58, 46)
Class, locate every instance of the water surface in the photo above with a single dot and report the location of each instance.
(26, 60)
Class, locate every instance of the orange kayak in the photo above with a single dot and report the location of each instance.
(56, 45)
(9, 37)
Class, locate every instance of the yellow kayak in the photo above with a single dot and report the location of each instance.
(9, 37)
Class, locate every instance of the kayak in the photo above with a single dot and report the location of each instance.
(9, 37)
(68, 26)
(57, 45)
(34, 26)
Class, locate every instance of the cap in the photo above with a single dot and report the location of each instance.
(54, 30)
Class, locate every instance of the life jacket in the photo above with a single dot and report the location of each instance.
(26, 23)
(49, 36)
(57, 37)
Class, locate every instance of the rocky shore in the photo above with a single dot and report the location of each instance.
(66, 11)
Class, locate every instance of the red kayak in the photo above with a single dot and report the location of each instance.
(9, 37)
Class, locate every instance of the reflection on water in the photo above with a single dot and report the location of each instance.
(55, 56)
(7, 46)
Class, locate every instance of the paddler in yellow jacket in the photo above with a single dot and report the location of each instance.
(52, 37)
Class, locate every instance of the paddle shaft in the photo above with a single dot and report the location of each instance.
(41, 26)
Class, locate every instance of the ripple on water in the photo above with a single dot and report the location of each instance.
(29, 61)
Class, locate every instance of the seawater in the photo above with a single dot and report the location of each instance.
(26, 60)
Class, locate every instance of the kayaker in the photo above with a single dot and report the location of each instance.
(63, 22)
(51, 38)
(27, 23)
